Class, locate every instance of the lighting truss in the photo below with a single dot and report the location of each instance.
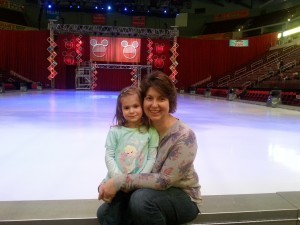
(121, 66)
(113, 31)
(136, 70)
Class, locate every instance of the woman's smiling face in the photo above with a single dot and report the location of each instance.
(156, 106)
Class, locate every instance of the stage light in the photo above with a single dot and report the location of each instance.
(109, 8)
(49, 6)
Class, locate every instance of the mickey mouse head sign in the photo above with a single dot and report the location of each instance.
(129, 51)
(99, 49)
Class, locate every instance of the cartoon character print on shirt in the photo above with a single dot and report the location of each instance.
(131, 159)
(128, 158)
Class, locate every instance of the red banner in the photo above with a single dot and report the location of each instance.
(232, 15)
(99, 19)
(138, 21)
(110, 49)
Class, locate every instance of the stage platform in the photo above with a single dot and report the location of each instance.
(52, 157)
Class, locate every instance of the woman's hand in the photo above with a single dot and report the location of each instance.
(107, 191)
(100, 191)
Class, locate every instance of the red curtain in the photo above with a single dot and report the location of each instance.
(113, 79)
(25, 52)
(199, 59)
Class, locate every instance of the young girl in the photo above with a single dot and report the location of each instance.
(130, 148)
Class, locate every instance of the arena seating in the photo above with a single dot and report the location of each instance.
(290, 98)
(13, 82)
(256, 95)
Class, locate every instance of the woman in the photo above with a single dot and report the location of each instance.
(171, 193)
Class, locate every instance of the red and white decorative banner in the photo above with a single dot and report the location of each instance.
(52, 56)
(78, 49)
(134, 78)
(72, 52)
(150, 52)
(93, 75)
(173, 60)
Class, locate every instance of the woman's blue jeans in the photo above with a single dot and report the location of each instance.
(152, 207)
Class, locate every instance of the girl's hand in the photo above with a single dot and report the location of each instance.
(108, 191)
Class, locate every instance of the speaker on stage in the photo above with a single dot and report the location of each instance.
(274, 98)
(39, 86)
(23, 87)
(2, 88)
(207, 92)
(231, 94)
(192, 90)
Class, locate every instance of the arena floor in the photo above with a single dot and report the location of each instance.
(52, 144)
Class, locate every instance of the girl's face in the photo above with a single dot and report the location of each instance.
(156, 106)
(132, 110)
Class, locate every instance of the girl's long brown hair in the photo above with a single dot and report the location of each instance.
(119, 119)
